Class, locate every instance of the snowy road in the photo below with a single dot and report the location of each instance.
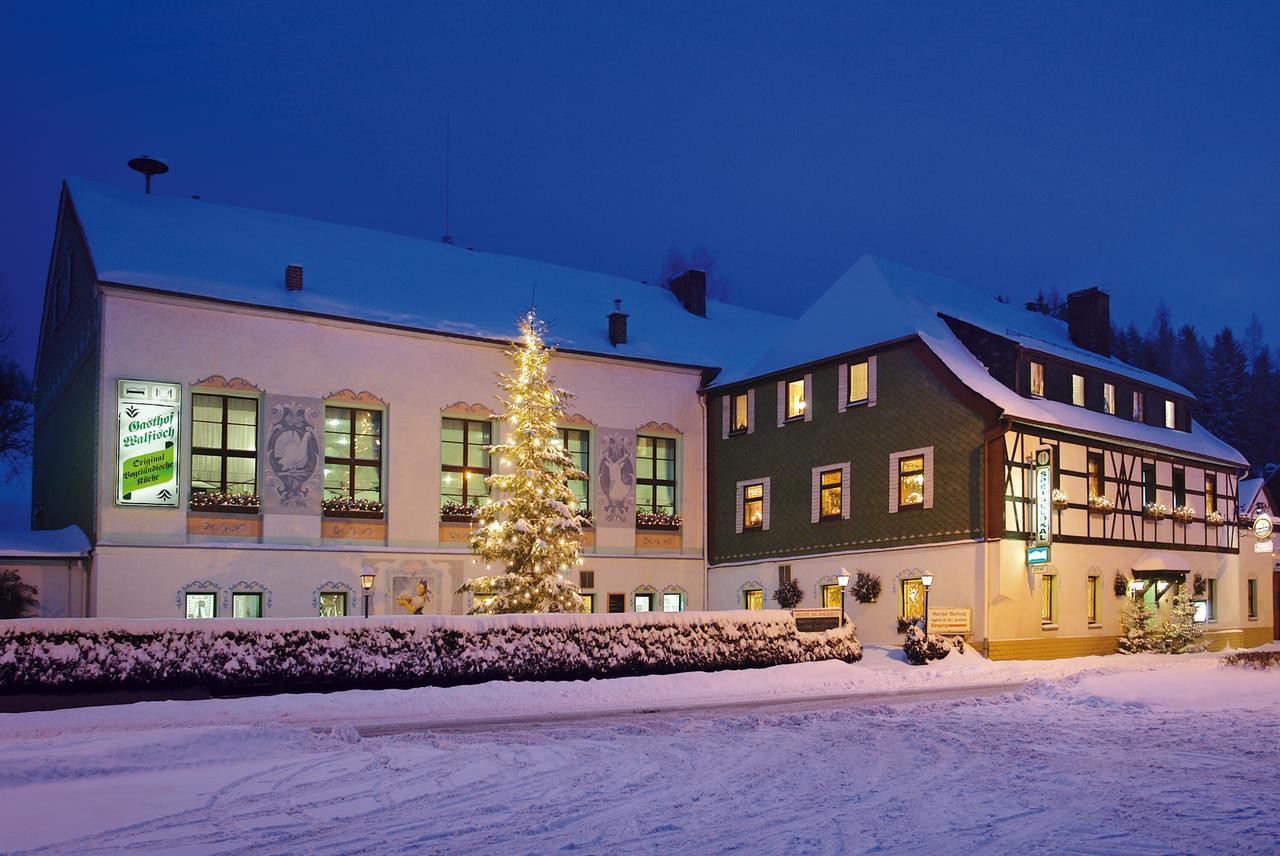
(1108, 756)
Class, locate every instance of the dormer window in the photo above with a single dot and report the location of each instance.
(1109, 398)
(1037, 380)
(1137, 406)
(1077, 390)
(1170, 413)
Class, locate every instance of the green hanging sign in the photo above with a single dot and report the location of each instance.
(147, 414)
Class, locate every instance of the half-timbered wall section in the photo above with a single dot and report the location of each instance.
(1119, 475)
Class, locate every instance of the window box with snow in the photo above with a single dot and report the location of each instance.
(457, 512)
(1060, 499)
(1101, 505)
(1183, 514)
(362, 509)
(1214, 518)
(1155, 511)
(206, 501)
(658, 521)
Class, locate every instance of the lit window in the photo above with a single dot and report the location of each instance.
(831, 500)
(831, 595)
(911, 600)
(672, 601)
(1095, 463)
(753, 506)
(246, 604)
(1211, 599)
(589, 601)
(1037, 380)
(1077, 390)
(1170, 413)
(1137, 406)
(644, 602)
(1253, 598)
(224, 443)
(578, 444)
(464, 462)
(333, 604)
(753, 599)
(1109, 398)
(857, 383)
(656, 475)
(738, 411)
(201, 604)
(352, 453)
(1091, 599)
(795, 399)
(1210, 493)
(911, 482)
(1048, 598)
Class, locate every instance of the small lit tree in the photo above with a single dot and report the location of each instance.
(1181, 634)
(1136, 624)
(534, 525)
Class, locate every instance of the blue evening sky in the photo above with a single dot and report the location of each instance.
(1019, 146)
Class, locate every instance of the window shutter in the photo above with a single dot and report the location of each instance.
(587, 579)
(893, 483)
(815, 493)
(751, 411)
(846, 491)
(737, 514)
(724, 416)
(782, 403)
(765, 524)
(808, 398)
(928, 477)
(843, 403)
(871, 381)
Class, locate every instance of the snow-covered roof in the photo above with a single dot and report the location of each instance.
(199, 248)
(43, 543)
(879, 301)
(1251, 493)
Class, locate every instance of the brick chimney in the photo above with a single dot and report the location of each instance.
(293, 277)
(617, 325)
(1089, 320)
(690, 288)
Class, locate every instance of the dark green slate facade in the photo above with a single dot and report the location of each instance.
(918, 404)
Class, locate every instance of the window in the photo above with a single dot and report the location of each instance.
(1148, 484)
(578, 444)
(672, 601)
(795, 399)
(831, 503)
(911, 482)
(1097, 486)
(589, 601)
(1253, 599)
(333, 604)
(738, 411)
(246, 604)
(1091, 599)
(1138, 399)
(1170, 413)
(644, 602)
(656, 475)
(1037, 379)
(753, 599)
(1077, 390)
(831, 595)
(1048, 598)
(586, 579)
(352, 453)
(753, 506)
(201, 604)
(1210, 493)
(858, 387)
(617, 602)
(911, 599)
(464, 461)
(1211, 599)
(1109, 398)
(224, 444)
(784, 574)
(1179, 487)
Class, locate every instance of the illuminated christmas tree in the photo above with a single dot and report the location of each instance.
(1138, 636)
(1181, 633)
(533, 527)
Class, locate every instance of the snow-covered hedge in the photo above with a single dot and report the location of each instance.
(268, 655)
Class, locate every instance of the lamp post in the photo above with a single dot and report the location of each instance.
(843, 582)
(366, 583)
(926, 580)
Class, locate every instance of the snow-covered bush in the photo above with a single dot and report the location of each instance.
(788, 594)
(265, 655)
(17, 598)
(1260, 660)
(920, 648)
(1137, 637)
(866, 587)
(1180, 634)
(1120, 585)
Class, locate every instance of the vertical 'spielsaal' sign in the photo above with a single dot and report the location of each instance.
(147, 414)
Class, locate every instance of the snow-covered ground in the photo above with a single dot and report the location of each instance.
(1094, 755)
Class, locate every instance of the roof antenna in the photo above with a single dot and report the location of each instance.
(448, 133)
(148, 166)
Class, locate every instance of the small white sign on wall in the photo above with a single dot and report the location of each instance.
(950, 619)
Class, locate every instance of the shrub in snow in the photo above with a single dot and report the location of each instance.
(1180, 633)
(266, 655)
(1260, 660)
(1199, 585)
(17, 599)
(1121, 584)
(788, 594)
(866, 587)
(904, 624)
(1137, 636)
(921, 647)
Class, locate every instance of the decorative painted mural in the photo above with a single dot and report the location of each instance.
(294, 481)
(416, 586)
(616, 483)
